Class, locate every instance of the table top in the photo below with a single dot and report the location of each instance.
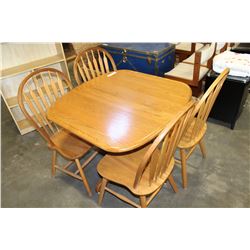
(120, 111)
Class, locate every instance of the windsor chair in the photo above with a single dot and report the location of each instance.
(92, 63)
(197, 124)
(144, 171)
(37, 92)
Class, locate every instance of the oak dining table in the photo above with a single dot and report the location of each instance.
(120, 111)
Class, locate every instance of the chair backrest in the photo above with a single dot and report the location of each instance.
(203, 57)
(91, 63)
(207, 52)
(221, 47)
(157, 159)
(37, 92)
(204, 106)
(188, 47)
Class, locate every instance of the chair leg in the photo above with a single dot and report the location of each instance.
(172, 183)
(98, 186)
(203, 149)
(102, 190)
(143, 201)
(84, 180)
(183, 167)
(53, 169)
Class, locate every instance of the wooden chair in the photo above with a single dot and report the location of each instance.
(184, 50)
(193, 70)
(145, 170)
(207, 54)
(37, 92)
(91, 63)
(197, 124)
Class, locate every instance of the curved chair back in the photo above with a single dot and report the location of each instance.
(204, 106)
(91, 63)
(37, 92)
(157, 159)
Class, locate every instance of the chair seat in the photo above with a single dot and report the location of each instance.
(69, 145)
(185, 71)
(122, 169)
(191, 59)
(185, 141)
(187, 46)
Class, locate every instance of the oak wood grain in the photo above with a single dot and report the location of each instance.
(120, 111)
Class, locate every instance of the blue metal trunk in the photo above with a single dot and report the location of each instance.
(150, 58)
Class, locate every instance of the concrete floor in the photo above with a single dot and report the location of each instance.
(220, 180)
